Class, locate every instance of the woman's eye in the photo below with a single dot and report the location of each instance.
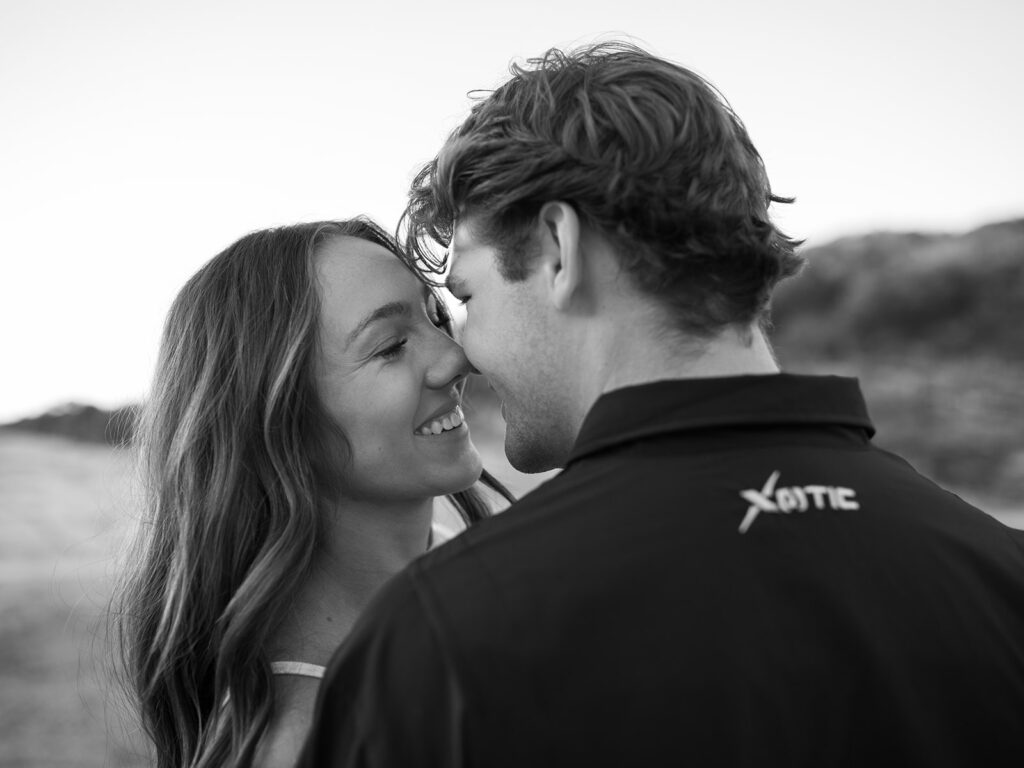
(392, 351)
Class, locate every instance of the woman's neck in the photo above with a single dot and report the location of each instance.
(363, 546)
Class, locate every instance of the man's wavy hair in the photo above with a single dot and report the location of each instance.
(648, 153)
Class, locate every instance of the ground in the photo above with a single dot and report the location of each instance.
(66, 509)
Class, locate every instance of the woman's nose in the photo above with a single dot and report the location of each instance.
(450, 364)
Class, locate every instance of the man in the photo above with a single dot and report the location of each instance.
(726, 572)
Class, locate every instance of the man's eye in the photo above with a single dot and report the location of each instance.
(437, 312)
(457, 290)
(393, 351)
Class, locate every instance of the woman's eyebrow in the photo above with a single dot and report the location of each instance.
(389, 310)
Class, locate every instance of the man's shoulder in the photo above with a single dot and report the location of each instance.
(481, 561)
(514, 528)
(509, 529)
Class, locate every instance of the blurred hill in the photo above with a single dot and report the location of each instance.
(943, 296)
(933, 325)
(86, 423)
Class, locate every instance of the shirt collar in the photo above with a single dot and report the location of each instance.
(680, 405)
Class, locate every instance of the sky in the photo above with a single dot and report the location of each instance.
(138, 139)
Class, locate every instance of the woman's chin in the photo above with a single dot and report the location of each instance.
(467, 473)
(460, 474)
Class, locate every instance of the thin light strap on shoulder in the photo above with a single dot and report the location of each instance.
(439, 534)
(299, 668)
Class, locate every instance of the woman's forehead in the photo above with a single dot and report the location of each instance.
(357, 276)
(346, 259)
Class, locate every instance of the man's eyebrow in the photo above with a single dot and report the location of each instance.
(392, 309)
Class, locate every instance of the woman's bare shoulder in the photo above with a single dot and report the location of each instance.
(294, 701)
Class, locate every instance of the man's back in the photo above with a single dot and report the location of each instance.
(727, 573)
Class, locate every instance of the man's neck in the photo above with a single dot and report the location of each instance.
(636, 353)
(731, 353)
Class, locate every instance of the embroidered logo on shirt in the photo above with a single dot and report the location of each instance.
(797, 498)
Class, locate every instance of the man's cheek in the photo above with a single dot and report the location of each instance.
(470, 345)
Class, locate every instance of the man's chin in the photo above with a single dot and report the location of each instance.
(531, 456)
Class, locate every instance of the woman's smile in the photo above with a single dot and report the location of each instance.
(449, 420)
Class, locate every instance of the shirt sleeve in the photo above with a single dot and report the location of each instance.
(389, 697)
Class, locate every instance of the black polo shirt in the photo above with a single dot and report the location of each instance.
(726, 573)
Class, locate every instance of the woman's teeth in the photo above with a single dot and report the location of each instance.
(446, 423)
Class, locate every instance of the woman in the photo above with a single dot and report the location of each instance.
(305, 412)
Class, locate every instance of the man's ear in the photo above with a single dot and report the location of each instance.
(560, 258)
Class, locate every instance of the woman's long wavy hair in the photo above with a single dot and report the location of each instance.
(238, 459)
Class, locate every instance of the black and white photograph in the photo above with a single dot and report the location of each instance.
(468, 385)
